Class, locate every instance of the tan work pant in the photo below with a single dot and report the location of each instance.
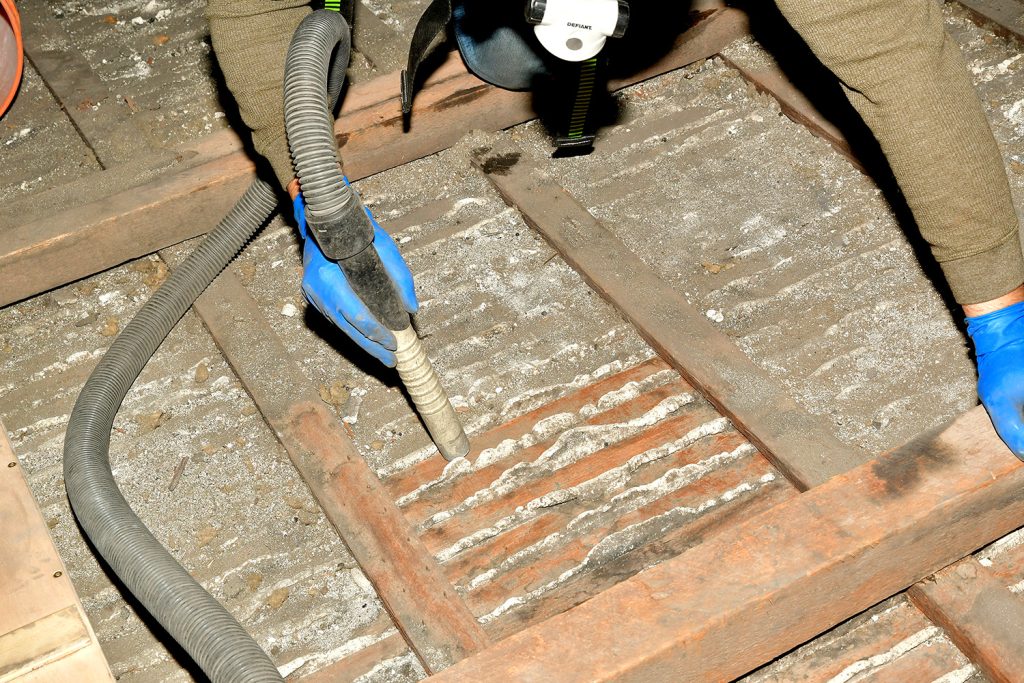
(907, 79)
(899, 68)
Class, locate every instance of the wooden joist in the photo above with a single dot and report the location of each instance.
(777, 579)
(44, 633)
(1005, 17)
(424, 606)
(74, 242)
(792, 439)
(771, 80)
(982, 617)
(796, 443)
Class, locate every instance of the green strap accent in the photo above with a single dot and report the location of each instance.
(584, 93)
(333, 5)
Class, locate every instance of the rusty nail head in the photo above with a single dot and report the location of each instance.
(12, 464)
(57, 574)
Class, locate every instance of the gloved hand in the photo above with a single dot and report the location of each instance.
(999, 344)
(327, 288)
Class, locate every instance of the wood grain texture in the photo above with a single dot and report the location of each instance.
(42, 624)
(45, 640)
(980, 614)
(777, 579)
(432, 618)
(73, 242)
(794, 103)
(794, 441)
(1006, 17)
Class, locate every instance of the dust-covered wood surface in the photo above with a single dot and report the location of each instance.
(44, 633)
(422, 603)
(781, 577)
(188, 199)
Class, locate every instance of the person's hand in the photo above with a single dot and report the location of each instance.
(327, 288)
(999, 344)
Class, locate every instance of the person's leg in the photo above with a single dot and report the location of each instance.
(907, 79)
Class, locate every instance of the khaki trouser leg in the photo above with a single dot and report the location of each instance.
(907, 78)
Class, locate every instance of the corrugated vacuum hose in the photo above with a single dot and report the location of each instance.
(338, 221)
(210, 635)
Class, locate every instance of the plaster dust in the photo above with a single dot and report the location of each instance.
(33, 124)
(156, 60)
(507, 326)
(235, 514)
(790, 250)
(741, 209)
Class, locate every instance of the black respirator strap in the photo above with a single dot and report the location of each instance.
(584, 84)
(347, 8)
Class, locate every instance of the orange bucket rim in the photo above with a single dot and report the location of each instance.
(10, 15)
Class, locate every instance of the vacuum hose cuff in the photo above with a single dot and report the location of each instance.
(309, 96)
(343, 235)
(334, 213)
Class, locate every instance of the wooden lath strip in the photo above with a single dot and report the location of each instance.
(795, 442)
(75, 242)
(792, 439)
(773, 581)
(408, 479)
(425, 608)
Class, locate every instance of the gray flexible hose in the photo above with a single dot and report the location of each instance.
(308, 123)
(308, 91)
(210, 635)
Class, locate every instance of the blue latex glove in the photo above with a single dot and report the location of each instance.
(999, 344)
(327, 288)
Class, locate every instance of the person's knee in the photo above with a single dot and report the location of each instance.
(873, 47)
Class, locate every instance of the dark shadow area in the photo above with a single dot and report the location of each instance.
(362, 360)
(226, 100)
(348, 349)
(553, 98)
(654, 28)
(825, 92)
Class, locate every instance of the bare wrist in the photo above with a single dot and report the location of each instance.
(1008, 299)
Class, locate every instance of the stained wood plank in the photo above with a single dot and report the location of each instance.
(432, 618)
(42, 623)
(982, 617)
(106, 125)
(74, 242)
(793, 440)
(777, 579)
(1006, 17)
(45, 640)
